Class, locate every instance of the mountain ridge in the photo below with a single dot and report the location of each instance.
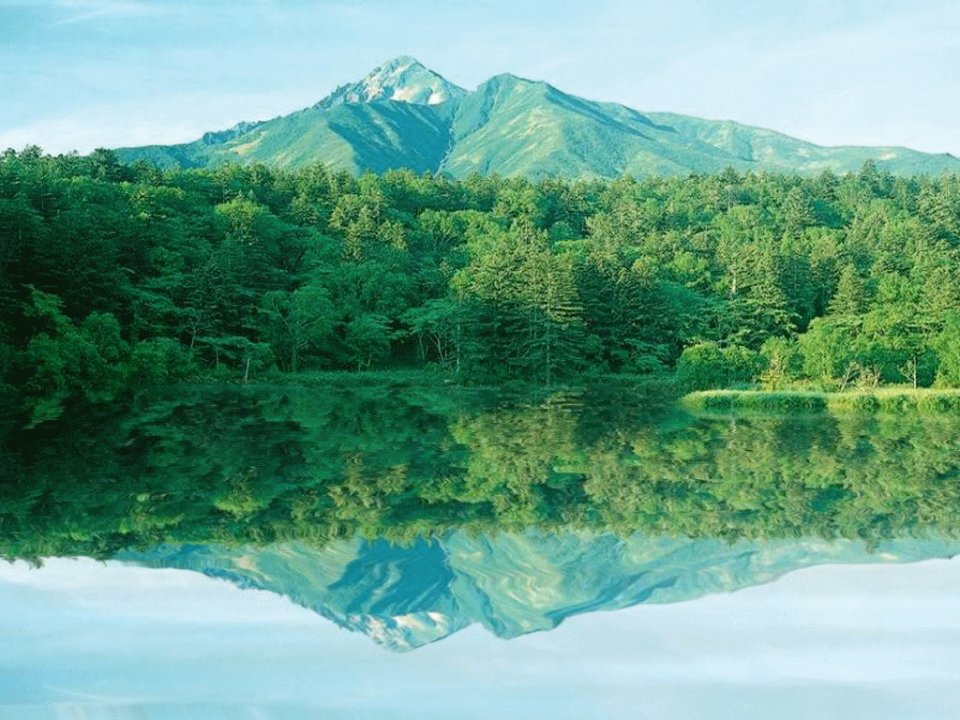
(403, 115)
(404, 597)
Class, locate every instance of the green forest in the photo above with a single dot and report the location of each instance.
(115, 277)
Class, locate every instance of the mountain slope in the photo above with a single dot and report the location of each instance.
(405, 597)
(355, 137)
(519, 127)
(404, 115)
(775, 151)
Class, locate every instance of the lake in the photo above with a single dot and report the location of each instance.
(412, 552)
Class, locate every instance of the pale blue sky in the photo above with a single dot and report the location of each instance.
(87, 73)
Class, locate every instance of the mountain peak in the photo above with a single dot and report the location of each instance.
(402, 79)
(400, 62)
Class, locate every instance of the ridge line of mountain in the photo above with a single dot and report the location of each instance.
(403, 115)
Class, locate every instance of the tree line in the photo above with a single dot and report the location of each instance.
(116, 276)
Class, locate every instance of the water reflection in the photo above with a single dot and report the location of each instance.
(95, 641)
(403, 597)
(252, 467)
(410, 516)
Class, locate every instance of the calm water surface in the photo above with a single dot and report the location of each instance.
(401, 552)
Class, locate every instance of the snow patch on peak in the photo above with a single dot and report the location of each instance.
(403, 79)
(402, 633)
(399, 62)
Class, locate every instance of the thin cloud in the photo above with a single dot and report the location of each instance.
(86, 10)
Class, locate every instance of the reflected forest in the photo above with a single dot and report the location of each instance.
(234, 465)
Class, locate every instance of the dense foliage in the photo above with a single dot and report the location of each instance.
(256, 465)
(115, 276)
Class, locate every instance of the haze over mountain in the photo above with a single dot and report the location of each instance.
(404, 115)
(404, 597)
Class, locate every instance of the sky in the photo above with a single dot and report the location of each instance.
(80, 74)
(101, 641)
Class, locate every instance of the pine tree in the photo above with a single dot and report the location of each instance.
(850, 298)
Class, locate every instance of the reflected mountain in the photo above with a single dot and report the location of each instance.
(408, 512)
(404, 597)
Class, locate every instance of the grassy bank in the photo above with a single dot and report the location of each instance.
(881, 400)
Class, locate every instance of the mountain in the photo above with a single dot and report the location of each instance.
(404, 115)
(404, 597)
(403, 79)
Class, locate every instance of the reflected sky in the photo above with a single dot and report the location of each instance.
(89, 640)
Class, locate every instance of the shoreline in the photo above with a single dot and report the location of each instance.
(879, 400)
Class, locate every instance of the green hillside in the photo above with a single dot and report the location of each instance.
(404, 115)
(374, 136)
(775, 151)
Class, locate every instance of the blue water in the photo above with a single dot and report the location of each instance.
(86, 640)
(289, 554)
